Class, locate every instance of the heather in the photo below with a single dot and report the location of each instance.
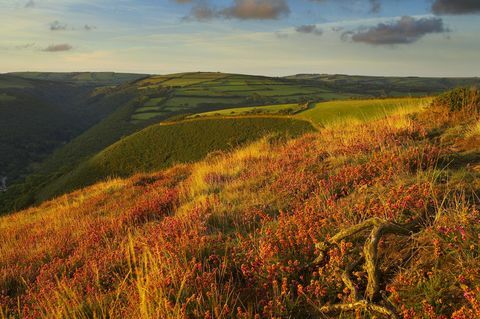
(258, 232)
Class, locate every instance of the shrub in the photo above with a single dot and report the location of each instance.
(467, 99)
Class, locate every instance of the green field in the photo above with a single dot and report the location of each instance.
(202, 91)
(278, 109)
(163, 145)
(329, 112)
(338, 111)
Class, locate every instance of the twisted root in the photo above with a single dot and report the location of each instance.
(373, 301)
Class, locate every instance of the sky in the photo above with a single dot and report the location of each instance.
(438, 38)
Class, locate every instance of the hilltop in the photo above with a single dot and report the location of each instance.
(360, 219)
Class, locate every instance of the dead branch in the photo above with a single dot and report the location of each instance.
(372, 302)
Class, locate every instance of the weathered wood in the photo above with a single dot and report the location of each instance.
(372, 302)
(362, 305)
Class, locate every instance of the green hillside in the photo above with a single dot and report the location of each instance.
(276, 109)
(340, 111)
(37, 117)
(385, 86)
(163, 145)
(83, 78)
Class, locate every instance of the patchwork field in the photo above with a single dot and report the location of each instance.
(197, 92)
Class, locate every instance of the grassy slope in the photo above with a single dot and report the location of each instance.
(91, 78)
(161, 146)
(262, 109)
(360, 110)
(327, 113)
(25, 139)
(234, 236)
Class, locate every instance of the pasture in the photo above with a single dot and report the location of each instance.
(360, 110)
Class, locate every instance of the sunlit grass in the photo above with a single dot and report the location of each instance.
(333, 112)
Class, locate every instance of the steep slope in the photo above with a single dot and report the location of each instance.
(38, 116)
(163, 145)
(270, 230)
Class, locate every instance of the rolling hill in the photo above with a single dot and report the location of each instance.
(376, 219)
(93, 111)
(163, 145)
(82, 78)
(386, 86)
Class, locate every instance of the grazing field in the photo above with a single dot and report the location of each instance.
(332, 112)
(199, 92)
(360, 110)
(377, 219)
(264, 109)
(163, 145)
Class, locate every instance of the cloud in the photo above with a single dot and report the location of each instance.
(257, 9)
(456, 7)
(57, 26)
(242, 10)
(375, 5)
(202, 12)
(309, 29)
(30, 4)
(58, 48)
(24, 46)
(404, 31)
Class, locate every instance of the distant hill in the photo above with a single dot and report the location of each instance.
(83, 78)
(386, 86)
